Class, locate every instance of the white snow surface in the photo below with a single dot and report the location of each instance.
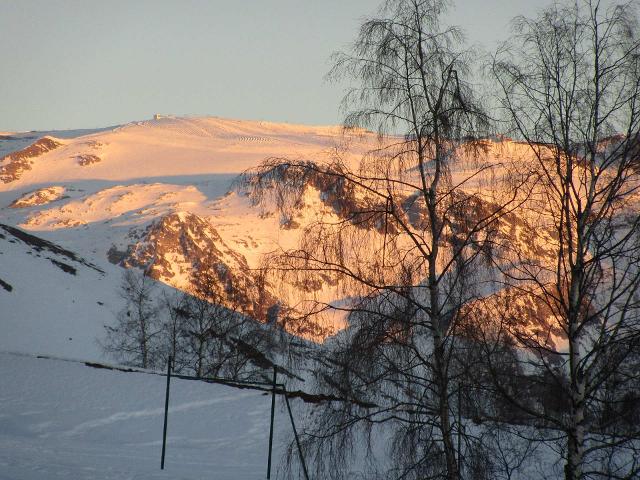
(63, 420)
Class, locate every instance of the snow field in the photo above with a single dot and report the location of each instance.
(63, 420)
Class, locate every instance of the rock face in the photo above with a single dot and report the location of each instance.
(42, 196)
(13, 165)
(58, 255)
(184, 250)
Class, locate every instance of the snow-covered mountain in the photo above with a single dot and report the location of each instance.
(157, 195)
(154, 195)
(76, 209)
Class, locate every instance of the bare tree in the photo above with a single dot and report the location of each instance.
(403, 239)
(570, 88)
(213, 337)
(172, 336)
(132, 339)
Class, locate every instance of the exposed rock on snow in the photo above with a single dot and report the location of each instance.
(5, 285)
(41, 196)
(41, 245)
(182, 247)
(87, 159)
(14, 164)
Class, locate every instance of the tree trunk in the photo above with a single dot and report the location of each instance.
(200, 360)
(143, 343)
(442, 386)
(576, 426)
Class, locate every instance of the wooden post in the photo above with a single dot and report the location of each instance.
(166, 413)
(273, 409)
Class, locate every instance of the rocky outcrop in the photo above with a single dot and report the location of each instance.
(41, 196)
(47, 248)
(87, 159)
(184, 250)
(12, 166)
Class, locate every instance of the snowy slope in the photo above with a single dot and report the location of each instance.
(97, 192)
(177, 147)
(51, 305)
(63, 420)
(147, 169)
(52, 300)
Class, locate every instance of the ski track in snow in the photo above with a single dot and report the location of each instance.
(123, 416)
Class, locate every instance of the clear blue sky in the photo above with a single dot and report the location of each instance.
(91, 63)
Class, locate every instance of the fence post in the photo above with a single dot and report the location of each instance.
(459, 429)
(273, 409)
(166, 413)
(295, 434)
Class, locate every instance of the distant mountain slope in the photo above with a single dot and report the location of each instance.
(115, 189)
(179, 147)
(158, 195)
(14, 164)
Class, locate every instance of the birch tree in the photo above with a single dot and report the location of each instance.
(403, 241)
(569, 85)
(132, 339)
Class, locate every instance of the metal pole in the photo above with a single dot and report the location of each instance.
(273, 409)
(295, 434)
(459, 428)
(166, 413)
